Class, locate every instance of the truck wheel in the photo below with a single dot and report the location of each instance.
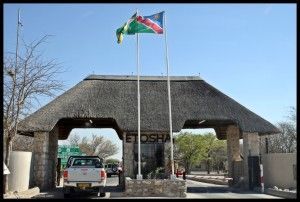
(101, 192)
(66, 191)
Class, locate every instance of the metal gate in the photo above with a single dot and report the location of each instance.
(254, 172)
(238, 171)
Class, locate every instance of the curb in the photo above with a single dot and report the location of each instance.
(208, 180)
(23, 194)
(283, 194)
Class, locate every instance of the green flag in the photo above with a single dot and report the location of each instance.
(127, 28)
(141, 24)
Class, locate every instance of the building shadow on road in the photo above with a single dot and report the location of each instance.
(110, 191)
(113, 189)
(208, 190)
(57, 192)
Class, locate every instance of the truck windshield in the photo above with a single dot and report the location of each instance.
(86, 162)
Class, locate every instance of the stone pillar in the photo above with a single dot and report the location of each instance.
(53, 145)
(233, 150)
(128, 157)
(44, 163)
(250, 148)
(167, 158)
(41, 160)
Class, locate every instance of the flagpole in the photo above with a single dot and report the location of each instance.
(139, 176)
(169, 97)
(17, 46)
(16, 65)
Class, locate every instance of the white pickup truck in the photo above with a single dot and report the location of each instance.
(84, 172)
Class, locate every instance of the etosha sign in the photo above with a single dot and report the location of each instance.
(152, 138)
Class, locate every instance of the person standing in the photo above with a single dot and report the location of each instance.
(184, 175)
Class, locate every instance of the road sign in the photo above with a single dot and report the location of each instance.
(64, 151)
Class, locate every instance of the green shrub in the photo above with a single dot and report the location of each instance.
(158, 173)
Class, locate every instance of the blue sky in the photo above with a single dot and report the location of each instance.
(247, 51)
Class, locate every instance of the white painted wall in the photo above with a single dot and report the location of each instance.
(278, 170)
(19, 167)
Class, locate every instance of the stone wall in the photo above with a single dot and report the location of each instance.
(128, 158)
(280, 170)
(155, 187)
(44, 159)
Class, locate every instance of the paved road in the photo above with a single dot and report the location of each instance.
(206, 190)
(194, 190)
(111, 190)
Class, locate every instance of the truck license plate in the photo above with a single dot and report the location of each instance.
(83, 185)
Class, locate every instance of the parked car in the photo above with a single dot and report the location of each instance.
(84, 172)
(111, 169)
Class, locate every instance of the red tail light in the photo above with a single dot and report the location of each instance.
(102, 174)
(65, 175)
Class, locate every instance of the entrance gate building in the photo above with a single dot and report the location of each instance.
(111, 102)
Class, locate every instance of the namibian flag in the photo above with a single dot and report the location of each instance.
(141, 24)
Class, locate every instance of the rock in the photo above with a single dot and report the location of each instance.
(276, 188)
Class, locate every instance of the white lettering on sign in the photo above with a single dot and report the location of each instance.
(152, 138)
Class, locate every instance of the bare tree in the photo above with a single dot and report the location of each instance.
(105, 149)
(286, 140)
(74, 140)
(97, 146)
(26, 77)
(292, 115)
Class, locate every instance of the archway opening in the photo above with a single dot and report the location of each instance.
(202, 155)
(92, 137)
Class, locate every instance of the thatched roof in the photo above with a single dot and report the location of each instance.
(111, 101)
